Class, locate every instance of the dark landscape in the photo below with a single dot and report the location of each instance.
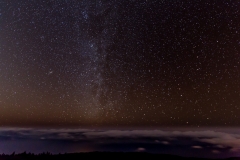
(99, 155)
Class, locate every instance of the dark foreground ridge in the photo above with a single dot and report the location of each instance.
(99, 155)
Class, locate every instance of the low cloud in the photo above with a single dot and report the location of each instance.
(196, 139)
(140, 149)
(215, 151)
(165, 142)
(197, 147)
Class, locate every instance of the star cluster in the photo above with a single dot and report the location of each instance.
(119, 63)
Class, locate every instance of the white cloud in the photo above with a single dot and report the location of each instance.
(197, 147)
(165, 142)
(140, 149)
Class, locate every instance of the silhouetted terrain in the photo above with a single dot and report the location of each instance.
(98, 155)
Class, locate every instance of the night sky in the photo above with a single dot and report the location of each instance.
(120, 64)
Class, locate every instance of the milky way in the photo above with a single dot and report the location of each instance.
(119, 63)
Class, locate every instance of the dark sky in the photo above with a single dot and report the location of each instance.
(126, 63)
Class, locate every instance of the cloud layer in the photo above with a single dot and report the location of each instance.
(223, 143)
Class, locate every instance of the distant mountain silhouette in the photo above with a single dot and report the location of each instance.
(99, 155)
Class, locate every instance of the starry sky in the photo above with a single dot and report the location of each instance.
(112, 63)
